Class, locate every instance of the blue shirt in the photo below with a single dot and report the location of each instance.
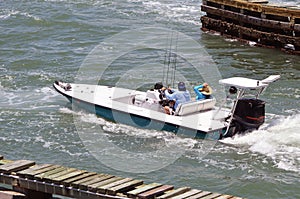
(200, 96)
(178, 96)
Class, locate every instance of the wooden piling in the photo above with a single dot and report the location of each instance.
(267, 25)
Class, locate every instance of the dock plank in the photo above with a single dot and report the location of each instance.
(30, 170)
(99, 178)
(4, 161)
(76, 183)
(116, 183)
(145, 188)
(31, 174)
(157, 191)
(224, 197)
(175, 192)
(200, 195)
(48, 173)
(71, 182)
(124, 187)
(68, 175)
(98, 186)
(187, 194)
(258, 1)
(16, 166)
(104, 181)
(61, 173)
(67, 182)
(211, 196)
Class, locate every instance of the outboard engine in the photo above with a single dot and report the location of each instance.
(249, 115)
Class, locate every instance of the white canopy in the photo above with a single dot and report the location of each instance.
(246, 83)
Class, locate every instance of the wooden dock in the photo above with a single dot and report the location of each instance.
(266, 24)
(32, 180)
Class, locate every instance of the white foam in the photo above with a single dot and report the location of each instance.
(6, 13)
(231, 40)
(175, 11)
(285, 2)
(117, 128)
(27, 98)
(280, 142)
(252, 43)
(67, 111)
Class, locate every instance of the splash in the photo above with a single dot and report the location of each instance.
(280, 142)
(186, 12)
(6, 14)
(117, 129)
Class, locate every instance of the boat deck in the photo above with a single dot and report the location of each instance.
(120, 99)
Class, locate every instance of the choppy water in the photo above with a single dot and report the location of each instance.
(42, 41)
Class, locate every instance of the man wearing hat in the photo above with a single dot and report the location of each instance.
(203, 91)
(179, 96)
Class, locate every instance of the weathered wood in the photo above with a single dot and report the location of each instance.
(242, 18)
(5, 179)
(48, 173)
(155, 192)
(258, 1)
(31, 174)
(200, 195)
(261, 38)
(224, 197)
(145, 188)
(211, 196)
(76, 183)
(103, 181)
(104, 188)
(46, 180)
(16, 166)
(61, 190)
(102, 177)
(32, 170)
(124, 187)
(67, 182)
(98, 186)
(263, 8)
(187, 194)
(175, 192)
(4, 161)
(62, 173)
(67, 175)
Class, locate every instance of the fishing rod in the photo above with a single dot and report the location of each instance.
(175, 62)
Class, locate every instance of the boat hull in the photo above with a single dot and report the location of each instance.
(142, 122)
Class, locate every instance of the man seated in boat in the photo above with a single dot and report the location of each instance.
(158, 87)
(203, 91)
(176, 97)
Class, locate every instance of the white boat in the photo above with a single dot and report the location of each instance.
(198, 119)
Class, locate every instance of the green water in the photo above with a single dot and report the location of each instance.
(42, 41)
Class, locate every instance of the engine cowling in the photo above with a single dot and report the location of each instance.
(249, 115)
